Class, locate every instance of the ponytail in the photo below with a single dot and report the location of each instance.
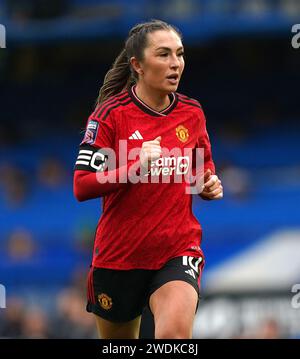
(117, 78)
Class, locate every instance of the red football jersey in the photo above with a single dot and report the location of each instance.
(143, 225)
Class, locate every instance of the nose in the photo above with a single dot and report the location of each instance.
(174, 62)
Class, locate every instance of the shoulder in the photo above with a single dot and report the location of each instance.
(188, 101)
(111, 106)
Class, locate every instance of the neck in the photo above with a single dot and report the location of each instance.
(156, 100)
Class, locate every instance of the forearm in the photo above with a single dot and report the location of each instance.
(88, 185)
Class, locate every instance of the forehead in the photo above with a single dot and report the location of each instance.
(164, 38)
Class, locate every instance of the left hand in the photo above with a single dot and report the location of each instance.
(213, 188)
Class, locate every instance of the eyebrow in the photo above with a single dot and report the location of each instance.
(168, 49)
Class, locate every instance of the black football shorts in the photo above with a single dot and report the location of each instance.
(121, 295)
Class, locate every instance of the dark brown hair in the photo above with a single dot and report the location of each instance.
(121, 75)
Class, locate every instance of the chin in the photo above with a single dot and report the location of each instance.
(170, 88)
(173, 88)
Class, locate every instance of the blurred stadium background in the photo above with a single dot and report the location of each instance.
(242, 68)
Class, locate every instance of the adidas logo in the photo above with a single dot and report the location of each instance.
(190, 272)
(136, 136)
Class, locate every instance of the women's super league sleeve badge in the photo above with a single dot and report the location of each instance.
(91, 132)
(182, 133)
(105, 301)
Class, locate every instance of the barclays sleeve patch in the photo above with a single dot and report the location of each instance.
(91, 132)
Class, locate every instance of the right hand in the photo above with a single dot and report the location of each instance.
(150, 151)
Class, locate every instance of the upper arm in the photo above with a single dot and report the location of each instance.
(95, 152)
(100, 132)
(97, 143)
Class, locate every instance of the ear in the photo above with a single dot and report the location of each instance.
(136, 65)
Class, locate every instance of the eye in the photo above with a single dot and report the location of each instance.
(164, 54)
(181, 54)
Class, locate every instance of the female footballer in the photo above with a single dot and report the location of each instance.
(147, 243)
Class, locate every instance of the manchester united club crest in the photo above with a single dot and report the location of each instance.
(105, 301)
(182, 133)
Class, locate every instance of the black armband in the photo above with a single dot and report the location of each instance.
(90, 159)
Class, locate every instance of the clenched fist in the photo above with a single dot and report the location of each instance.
(213, 188)
(150, 151)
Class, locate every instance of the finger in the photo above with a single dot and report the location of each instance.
(207, 174)
(154, 150)
(216, 192)
(213, 194)
(212, 180)
(214, 186)
(218, 196)
(155, 141)
(154, 155)
(205, 195)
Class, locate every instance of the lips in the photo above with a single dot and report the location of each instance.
(173, 78)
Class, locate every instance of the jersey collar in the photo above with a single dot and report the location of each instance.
(150, 111)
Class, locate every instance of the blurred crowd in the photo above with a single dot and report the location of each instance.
(40, 311)
(65, 319)
(68, 320)
(17, 182)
